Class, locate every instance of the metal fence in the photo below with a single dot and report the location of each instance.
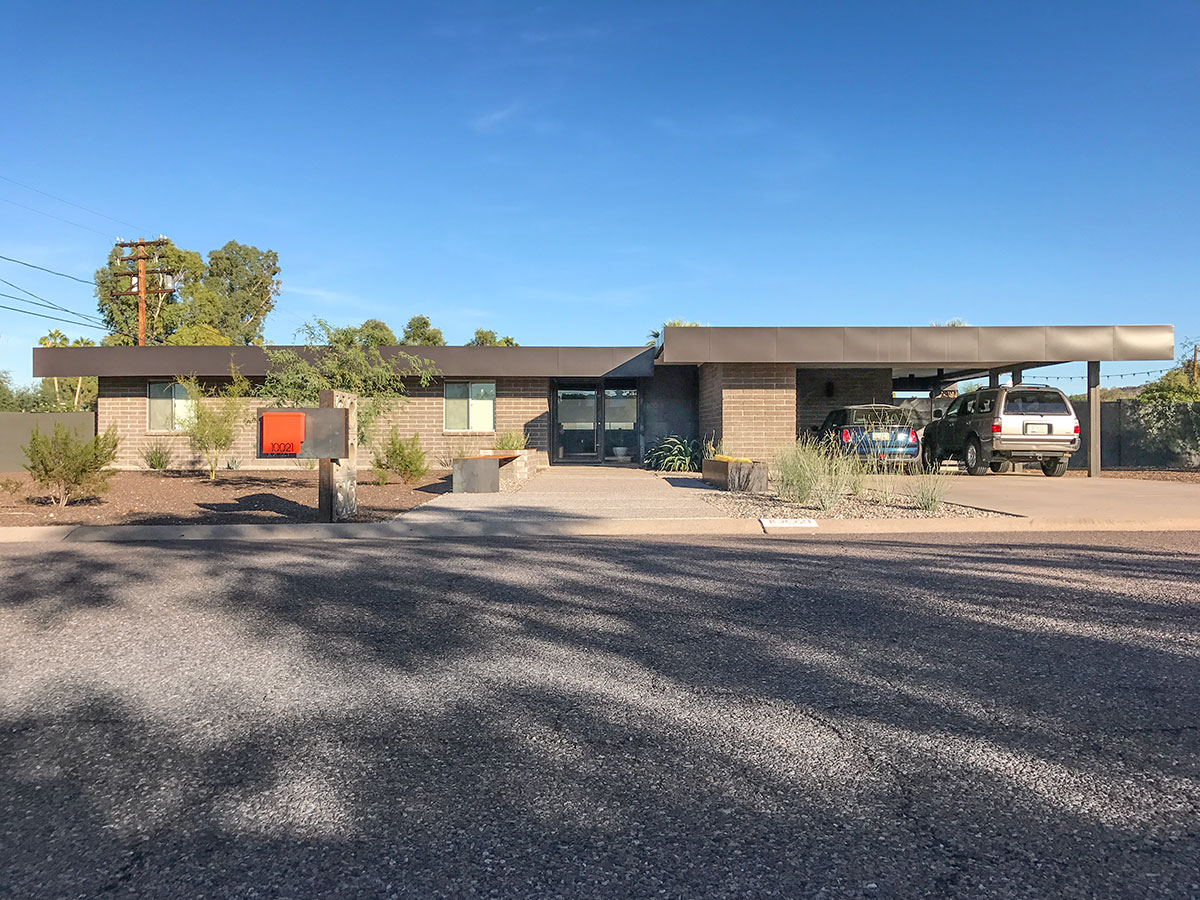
(1139, 434)
(16, 427)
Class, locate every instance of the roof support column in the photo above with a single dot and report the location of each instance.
(1017, 374)
(993, 379)
(1093, 436)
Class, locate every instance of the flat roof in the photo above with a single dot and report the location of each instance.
(924, 348)
(925, 352)
(169, 361)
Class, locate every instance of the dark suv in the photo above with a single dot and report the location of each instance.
(990, 429)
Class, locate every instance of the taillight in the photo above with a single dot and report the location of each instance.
(1077, 428)
(995, 426)
(912, 436)
(845, 435)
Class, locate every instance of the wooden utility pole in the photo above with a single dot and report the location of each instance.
(140, 257)
(1195, 361)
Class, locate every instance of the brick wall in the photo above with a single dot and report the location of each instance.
(758, 408)
(820, 390)
(521, 404)
(710, 400)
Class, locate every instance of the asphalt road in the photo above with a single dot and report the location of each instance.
(602, 718)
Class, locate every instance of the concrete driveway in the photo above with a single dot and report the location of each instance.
(854, 718)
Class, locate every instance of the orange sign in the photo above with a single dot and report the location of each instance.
(282, 433)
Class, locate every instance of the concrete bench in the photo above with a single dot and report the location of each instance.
(480, 474)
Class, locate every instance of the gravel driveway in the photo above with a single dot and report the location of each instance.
(599, 718)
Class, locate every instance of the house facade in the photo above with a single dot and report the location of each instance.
(753, 389)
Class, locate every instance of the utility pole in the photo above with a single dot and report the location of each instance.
(1195, 361)
(139, 256)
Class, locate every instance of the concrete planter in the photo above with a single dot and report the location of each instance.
(735, 476)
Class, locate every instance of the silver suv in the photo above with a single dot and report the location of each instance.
(990, 429)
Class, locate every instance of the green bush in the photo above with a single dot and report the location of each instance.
(510, 440)
(674, 454)
(233, 464)
(69, 467)
(158, 456)
(403, 457)
(214, 416)
(446, 458)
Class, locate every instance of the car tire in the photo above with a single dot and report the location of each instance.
(1002, 466)
(1054, 468)
(930, 463)
(975, 460)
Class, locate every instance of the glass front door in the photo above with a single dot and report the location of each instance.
(620, 424)
(576, 424)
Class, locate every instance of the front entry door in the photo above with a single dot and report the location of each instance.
(576, 425)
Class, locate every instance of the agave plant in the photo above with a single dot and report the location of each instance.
(674, 454)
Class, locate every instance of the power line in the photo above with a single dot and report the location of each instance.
(69, 203)
(22, 262)
(49, 304)
(29, 312)
(59, 218)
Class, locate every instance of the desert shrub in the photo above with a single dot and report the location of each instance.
(233, 464)
(215, 414)
(817, 472)
(69, 467)
(929, 490)
(11, 485)
(381, 476)
(445, 458)
(401, 456)
(674, 454)
(510, 440)
(158, 456)
(713, 447)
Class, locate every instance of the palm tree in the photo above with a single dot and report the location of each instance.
(80, 342)
(656, 333)
(54, 339)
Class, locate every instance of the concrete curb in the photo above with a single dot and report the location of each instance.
(398, 529)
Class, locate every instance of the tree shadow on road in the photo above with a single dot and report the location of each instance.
(602, 718)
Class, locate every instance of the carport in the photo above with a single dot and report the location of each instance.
(753, 380)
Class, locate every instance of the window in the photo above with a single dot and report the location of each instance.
(470, 406)
(1045, 403)
(168, 406)
(955, 407)
(880, 416)
(987, 402)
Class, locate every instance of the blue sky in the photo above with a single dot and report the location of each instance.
(576, 173)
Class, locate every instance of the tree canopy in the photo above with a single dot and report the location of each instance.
(1181, 384)
(224, 300)
(377, 334)
(485, 337)
(342, 359)
(419, 332)
(655, 333)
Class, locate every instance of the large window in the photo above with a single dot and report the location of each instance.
(169, 406)
(470, 406)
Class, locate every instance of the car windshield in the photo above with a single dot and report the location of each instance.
(1046, 403)
(881, 417)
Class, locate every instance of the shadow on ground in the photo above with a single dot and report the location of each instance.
(600, 718)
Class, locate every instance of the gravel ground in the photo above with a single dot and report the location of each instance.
(759, 506)
(1187, 476)
(623, 719)
(153, 498)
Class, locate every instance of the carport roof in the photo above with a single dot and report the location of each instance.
(917, 349)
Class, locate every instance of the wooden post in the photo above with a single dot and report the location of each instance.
(1093, 436)
(338, 498)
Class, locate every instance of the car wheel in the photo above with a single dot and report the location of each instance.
(973, 457)
(1055, 468)
(1001, 466)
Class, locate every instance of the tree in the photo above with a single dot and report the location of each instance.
(69, 467)
(83, 342)
(655, 333)
(419, 332)
(1181, 384)
(487, 338)
(342, 359)
(224, 300)
(8, 399)
(54, 338)
(949, 323)
(215, 413)
(377, 334)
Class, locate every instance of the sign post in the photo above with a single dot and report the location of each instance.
(338, 499)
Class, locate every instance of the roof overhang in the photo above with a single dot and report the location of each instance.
(930, 348)
(252, 362)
